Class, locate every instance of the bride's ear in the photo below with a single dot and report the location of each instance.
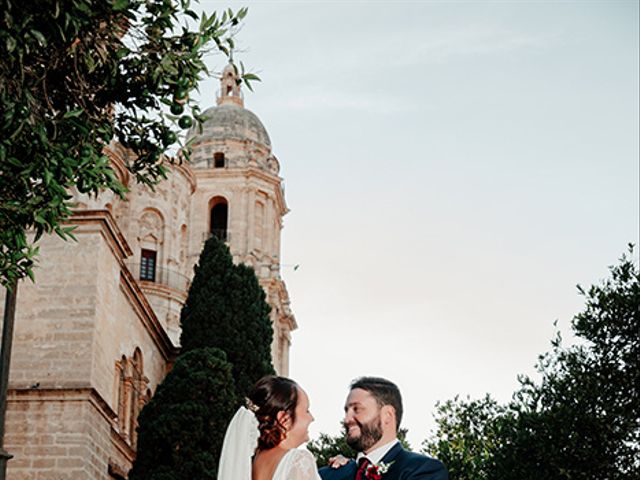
(284, 419)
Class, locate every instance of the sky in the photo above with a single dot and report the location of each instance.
(454, 170)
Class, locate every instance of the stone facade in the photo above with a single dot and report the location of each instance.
(98, 331)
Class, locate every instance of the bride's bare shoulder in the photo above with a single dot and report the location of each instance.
(265, 464)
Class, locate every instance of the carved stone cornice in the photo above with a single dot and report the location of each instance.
(69, 394)
(248, 174)
(164, 291)
(108, 228)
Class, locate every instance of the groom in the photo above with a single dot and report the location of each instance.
(372, 417)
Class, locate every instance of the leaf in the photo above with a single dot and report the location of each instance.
(91, 64)
(84, 8)
(69, 232)
(203, 21)
(209, 23)
(120, 5)
(39, 37)
(11, 44)
(39, 232)
(73, 113)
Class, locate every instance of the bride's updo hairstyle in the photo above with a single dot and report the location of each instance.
(269, 396)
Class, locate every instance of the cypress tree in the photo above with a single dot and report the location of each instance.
(181, 429)
(226, 309)
(226, 347)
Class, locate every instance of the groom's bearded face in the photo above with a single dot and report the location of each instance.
(365, 435)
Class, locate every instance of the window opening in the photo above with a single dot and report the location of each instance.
(219, 214)
(218, 160)
(148, 265)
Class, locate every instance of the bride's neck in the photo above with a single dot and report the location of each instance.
(287, 444)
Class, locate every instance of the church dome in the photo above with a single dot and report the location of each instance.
(231, 136)
(230, 121)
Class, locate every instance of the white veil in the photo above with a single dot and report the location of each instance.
(239, 445)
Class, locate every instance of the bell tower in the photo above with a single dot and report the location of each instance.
(230, 87)
(239, 198)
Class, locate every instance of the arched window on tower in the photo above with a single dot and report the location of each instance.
(219, 209)
(121, 406)
(137, 395)
(150, 238)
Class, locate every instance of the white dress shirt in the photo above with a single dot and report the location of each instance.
(378, 454)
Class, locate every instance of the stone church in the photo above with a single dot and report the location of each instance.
(97, 332)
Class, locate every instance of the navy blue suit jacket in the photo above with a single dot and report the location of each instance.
(406, 466)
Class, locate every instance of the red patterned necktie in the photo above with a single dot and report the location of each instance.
(363, 464)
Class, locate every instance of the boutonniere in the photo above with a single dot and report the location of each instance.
(375, 472)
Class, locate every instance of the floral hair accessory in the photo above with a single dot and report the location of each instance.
(252, 407)
(375, 472)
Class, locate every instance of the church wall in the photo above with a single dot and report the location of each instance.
(51, 362)
(119, 331)
(159, 221)
(51, 437)
(72, 326)
(244, 193)
(170, 202)
(200, 214)
(254, 237)
(53, 330)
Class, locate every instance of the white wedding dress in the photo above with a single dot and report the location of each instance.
(297, 464)
(240, 442)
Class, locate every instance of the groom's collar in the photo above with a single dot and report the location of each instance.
(393, 453)
(378, 454)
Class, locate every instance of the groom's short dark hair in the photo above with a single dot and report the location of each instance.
(384, 391)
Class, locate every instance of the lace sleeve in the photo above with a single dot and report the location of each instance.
(302, 466)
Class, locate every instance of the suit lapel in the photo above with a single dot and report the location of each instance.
(389, 458)
(392, 454)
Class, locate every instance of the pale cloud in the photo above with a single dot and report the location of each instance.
(485, 42)
(322, 99)
(367, 59)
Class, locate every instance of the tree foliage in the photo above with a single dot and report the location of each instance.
(466, 437)
(580, 420)
(179, 429)
(226, 309)
(76, 74)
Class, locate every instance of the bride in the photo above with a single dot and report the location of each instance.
(262, 439)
